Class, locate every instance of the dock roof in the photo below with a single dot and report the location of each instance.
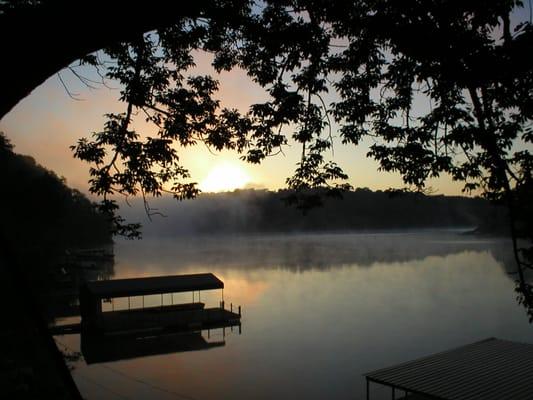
(153, 285)
(492, 369)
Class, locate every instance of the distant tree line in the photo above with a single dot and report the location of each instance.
(257, 211)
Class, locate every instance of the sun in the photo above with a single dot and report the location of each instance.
(223, 178)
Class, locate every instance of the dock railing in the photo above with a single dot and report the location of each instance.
(223, 307)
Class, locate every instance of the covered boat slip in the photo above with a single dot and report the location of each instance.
(492, 369)
(178, 316)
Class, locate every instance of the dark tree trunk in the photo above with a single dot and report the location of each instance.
(38, 41)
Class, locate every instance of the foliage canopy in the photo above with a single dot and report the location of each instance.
(456, 102)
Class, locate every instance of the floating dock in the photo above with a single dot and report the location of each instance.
(178, 317)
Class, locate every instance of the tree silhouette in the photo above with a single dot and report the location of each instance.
(465, 61)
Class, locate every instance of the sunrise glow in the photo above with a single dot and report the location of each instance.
(225, 177)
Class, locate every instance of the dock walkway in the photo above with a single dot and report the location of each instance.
(177, 319)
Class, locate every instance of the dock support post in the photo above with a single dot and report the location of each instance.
(129, 302)
(161, 300)
(239, 311)
(172, 298)
(223, 305)
(393, 393)
(231, 307)
(367, 389)
(239, 329)
(223, 331)
(143, 302)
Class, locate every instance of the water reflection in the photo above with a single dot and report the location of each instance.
(100, 348)
(319, 310)
(298, 252)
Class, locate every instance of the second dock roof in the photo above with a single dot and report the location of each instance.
(492, 369)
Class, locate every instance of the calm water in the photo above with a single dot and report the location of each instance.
(318, 312)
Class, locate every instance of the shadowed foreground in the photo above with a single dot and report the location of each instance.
(29, 362)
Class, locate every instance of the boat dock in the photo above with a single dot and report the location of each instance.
(492, 369)
(179, 317)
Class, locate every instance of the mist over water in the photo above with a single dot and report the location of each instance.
(301, 251)
(319, 310)
(260, 211)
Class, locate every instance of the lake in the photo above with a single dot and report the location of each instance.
(319, 310)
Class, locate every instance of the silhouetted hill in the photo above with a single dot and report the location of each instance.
(254, 211)
(40, 210)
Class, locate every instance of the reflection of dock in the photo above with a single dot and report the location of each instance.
(106, 348)
(182, 317)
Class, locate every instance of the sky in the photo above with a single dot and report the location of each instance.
(48, 121)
